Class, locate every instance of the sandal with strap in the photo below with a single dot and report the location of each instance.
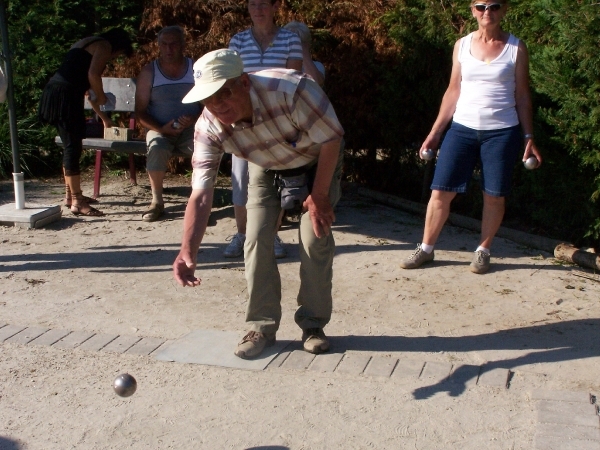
(93, 212)
(76, 209)
(88, 200)
(68, 201)
(153, 213)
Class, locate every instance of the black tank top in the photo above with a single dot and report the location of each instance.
(75, 66)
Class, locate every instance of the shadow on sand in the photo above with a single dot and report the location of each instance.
(547, 343)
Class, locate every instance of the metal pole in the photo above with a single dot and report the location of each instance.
(14, 137)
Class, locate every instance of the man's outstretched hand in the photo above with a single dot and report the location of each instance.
(183, 272)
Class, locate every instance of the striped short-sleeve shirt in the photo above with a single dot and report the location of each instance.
(292, 118)
(286, 45)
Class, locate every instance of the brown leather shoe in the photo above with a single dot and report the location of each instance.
(315, 340)
(253, 344)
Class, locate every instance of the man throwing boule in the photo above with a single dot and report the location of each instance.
(283, 123)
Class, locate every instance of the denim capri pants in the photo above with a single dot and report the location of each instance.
(463, 147)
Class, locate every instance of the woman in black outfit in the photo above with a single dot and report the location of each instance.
(62, 104)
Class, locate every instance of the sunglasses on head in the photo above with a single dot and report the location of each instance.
(482, 7)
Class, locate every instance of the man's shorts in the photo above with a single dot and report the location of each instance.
(463, 147)
(160, 148)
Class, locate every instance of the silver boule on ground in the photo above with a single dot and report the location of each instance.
(125, 385)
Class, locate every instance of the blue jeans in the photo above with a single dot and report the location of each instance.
(463, 147)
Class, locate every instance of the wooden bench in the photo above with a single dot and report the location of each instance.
(124, 90)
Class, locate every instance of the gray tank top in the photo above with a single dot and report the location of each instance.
(167, 93)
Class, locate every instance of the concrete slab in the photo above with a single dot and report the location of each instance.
(75, 339)
(32, 216)
(353, 364)
(493, 377)
(566, 432)
(558, 417)
(567, 408)
(408, 368)
(27, 335)
(146, 346)
(465, 374)
(121, 344)
(284, 354)
(327, 362)
(278, 360)
(298, 360)
(9, 331)
(98, 341)
(542, 442)
(380, 366)
(50, 337)
(561, 396)
(215, 348)
(436, 371)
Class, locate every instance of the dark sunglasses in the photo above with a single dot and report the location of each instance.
(482, 7)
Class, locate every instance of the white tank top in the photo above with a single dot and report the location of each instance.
(167, 93)
(487, 89)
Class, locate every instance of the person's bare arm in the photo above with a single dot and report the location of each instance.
(318, 203)
(194, 226)
(106, 120)
(448, 106)
(101, 54)
(523, 102)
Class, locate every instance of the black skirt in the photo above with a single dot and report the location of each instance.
(62, 104)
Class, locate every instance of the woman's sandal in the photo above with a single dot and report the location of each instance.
(68, 202)
(93, 212)
(88, 200)
(76, 210)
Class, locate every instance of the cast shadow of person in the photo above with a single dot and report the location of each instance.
(538, 344)
(8, 444)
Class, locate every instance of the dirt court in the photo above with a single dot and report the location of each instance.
(531, 316)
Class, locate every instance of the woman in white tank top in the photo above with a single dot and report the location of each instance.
(489, 104)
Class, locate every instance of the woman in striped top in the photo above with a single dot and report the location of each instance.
(262, 46)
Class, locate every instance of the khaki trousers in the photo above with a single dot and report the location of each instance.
(316, 258)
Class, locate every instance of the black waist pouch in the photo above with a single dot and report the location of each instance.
(294, 186)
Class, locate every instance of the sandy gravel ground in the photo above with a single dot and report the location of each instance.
(530, 314)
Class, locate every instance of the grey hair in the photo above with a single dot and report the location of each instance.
(173, 29)
(301, 30)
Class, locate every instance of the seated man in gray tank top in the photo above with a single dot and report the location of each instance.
(161, 85)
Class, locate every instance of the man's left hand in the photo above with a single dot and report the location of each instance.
(321, 214)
